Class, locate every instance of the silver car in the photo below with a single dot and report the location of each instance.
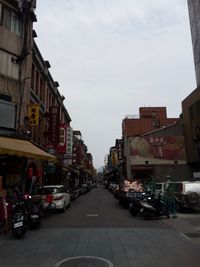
(55, 197)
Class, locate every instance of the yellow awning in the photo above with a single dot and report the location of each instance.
(23, 148)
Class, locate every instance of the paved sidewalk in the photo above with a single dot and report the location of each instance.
(113, 235)
(124, 247)
(185, 228)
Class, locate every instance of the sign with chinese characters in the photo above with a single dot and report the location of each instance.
(33, 114)
(61, 148)
(54, 126)
(119, 146)
(69, 146)
(150, 147)
(69, 140)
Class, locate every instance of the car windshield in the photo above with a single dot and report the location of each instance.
(48, 191)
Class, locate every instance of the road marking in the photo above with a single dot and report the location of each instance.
(84, 261)
(91, 215)
(185, 236)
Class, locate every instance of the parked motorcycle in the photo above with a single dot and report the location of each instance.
(19, 219)
(154, 208)
(74, 193)
(136, 202)
(34, 211)
(35, 216)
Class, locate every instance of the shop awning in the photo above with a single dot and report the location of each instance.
(23, 148)
(70, 169)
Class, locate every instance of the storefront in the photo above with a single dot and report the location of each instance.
(21, 162)
(72, 177)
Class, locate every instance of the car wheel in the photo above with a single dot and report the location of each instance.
(192, 197)
(64, 208)
(134, 212)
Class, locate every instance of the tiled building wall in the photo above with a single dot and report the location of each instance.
(194, 17)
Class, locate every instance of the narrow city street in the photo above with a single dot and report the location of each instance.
(97, 209)
(99, 133)
(95, 225)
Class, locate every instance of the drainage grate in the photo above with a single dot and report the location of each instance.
(86, 261)
(192, 235)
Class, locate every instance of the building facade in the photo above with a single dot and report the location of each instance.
(191, 104)
(32, 109)
(16, 42)
(149, 119)
(194, 18)
(160, 155)
(191, 122)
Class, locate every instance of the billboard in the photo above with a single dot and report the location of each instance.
(163, 148)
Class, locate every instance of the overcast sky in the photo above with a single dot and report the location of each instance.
(111, 57)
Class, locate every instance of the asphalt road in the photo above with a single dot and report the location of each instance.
(97, 227)
(98, 208)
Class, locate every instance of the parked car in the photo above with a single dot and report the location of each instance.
(186, 194)
(59, 195)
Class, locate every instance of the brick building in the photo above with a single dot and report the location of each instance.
(149, 119)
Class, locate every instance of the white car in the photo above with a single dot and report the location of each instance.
(55, 197)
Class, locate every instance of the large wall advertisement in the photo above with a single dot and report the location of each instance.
(164, 148)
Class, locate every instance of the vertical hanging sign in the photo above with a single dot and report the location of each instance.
(33, 114)
(61, 148)
(54, 126)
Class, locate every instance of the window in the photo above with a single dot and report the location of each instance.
(42, 90)
(33, 78)
(9, 67)
(62, 190)
(158, 186)
(10, 20)
(8, 114)
(16, 24)
(191, 112)
(154, 114)
(7, 14)
(198, 108)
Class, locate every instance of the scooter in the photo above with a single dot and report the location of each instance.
(35, 217)
(34, 212)
(155, 208)
(19, 219)
(135, 204)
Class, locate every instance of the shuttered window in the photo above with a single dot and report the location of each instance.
(8, 66)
